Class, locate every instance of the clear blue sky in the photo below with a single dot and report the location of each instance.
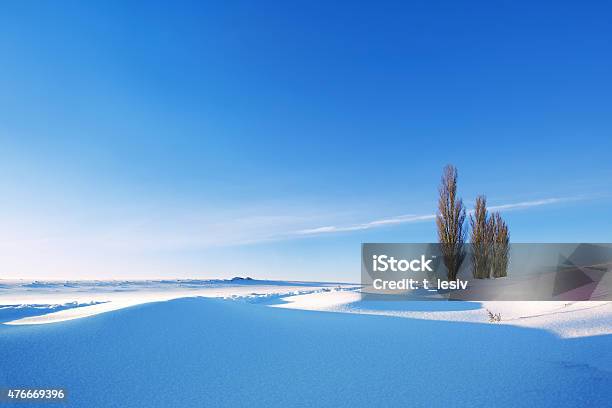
(212, 139)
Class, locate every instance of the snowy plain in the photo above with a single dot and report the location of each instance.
(263, 343)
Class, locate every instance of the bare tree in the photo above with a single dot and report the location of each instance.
(500, 247)
(450, 220)
(481, 238)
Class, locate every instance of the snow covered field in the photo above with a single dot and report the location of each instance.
(261, 343)
(73, 300)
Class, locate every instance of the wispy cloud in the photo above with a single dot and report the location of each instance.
(406, 219)
(529, 204)
(401, 219)
(82, 244)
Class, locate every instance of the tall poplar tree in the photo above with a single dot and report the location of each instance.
(450, 221)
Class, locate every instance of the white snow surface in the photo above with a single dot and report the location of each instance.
(78, 299)
(39, 302)
(218, 343)
(566, 319)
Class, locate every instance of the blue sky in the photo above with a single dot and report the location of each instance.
(213, 139)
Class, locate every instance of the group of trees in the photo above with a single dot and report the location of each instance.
(489, 233)
(490, 242)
